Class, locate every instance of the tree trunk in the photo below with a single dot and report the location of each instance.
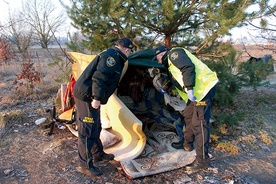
(168, 41)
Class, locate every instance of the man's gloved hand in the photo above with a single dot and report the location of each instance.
(162, 91)
(191, 95)
(95, 104)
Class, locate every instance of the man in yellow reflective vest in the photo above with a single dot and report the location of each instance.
(196, 84)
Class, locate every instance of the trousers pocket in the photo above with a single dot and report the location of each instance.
(198, 117)
(200, 113)
(87, 129)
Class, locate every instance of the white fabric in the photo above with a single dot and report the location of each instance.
(175, 102)
(108, 139)
(156, 82)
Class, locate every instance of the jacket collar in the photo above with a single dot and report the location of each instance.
(165, 59)
(121, 54)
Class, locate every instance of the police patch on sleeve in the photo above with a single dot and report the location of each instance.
(110, 61)
(174, 56)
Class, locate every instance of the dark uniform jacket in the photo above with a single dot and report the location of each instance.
(100, 78)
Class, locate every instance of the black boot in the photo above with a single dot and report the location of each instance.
(177, 145)
(93, 171)
(197, 165)
(104, 156)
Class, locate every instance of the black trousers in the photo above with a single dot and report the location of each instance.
(197, 119)
(89, 129)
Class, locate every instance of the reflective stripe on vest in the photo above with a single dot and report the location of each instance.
(205, 78)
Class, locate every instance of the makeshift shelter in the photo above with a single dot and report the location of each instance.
(141, 126)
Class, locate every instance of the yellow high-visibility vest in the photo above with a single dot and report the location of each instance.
(206, 79)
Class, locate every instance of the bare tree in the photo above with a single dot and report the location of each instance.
(261, 22)
(2, 23)
(261, 26)
(16, 30)
(44, 18)
(20, 33)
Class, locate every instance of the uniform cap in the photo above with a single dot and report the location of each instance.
(125, 42)
(158, 50)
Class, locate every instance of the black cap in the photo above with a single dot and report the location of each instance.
(125, 42)
(158, 50)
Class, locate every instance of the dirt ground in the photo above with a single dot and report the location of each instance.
(29, 155)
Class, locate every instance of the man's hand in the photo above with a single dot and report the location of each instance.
(95, 104)
(191, 95)
(162, 91)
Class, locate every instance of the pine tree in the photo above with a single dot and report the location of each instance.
(104, 21)
(196, 25)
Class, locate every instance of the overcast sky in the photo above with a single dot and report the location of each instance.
(11, 5)
(7, 6)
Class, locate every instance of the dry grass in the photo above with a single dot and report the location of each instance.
(265, 137)
(229, 146)
(7, 120)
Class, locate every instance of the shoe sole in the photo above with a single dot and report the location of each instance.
(101, 160)
(188, 149)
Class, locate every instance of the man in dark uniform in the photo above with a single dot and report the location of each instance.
(196, 85)
(95, 85)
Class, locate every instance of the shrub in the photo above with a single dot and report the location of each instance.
(5, 50)
(254, 71)
(25, 80)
